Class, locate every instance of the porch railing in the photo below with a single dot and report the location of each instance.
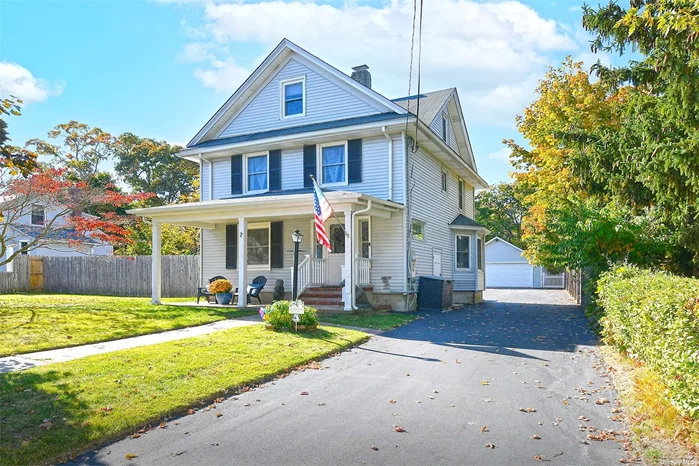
(363, 271)
(311, 272)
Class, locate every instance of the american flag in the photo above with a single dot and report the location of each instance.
(323, 211)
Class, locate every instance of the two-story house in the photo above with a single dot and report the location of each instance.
(22, 225)
(400, 181)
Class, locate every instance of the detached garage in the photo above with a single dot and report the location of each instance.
(506, 267)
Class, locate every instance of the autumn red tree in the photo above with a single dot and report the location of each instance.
(66, 200)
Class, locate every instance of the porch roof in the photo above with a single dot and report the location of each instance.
(464, 223)
(298, 202)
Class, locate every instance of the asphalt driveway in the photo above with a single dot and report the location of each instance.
(457, 385)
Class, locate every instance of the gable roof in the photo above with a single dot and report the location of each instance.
(267, 69)
(432, 104)
(464, 221)
(497, 239)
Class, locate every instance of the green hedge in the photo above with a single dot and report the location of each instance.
(654, 317)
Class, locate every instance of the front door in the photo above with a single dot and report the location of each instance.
(337, 257)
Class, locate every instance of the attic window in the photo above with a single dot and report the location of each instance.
(293, 92)
(444, 128)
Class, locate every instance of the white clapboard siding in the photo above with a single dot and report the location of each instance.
(436, 126)
(325, 101)
(387, 252)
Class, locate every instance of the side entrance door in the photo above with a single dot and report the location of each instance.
(437, 262)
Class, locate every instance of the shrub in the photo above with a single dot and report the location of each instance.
(220, 286)
(278, 316)
(653, 317)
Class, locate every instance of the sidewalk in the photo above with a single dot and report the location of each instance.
(27, 360)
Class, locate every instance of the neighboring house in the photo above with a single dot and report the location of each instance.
(506, 267)
(58, 241)
(402, 189)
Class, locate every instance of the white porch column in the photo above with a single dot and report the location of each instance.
(349, 261)
(156, 268)
(10, 265)
(242, 261)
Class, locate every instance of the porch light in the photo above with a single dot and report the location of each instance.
(296, 236)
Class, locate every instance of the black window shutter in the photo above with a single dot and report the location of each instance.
(309, 165)
(277, 245)
(354, 160)
(236, 174)
(231, 246)
(275, 170)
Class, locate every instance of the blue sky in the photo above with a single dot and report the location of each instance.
(161, 68)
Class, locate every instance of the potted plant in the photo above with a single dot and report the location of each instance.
(222, 289)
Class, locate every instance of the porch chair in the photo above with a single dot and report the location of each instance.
(204, 291)
(254, 289)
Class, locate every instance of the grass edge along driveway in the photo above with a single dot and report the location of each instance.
(38, 322)
(56, 411)
(378, 320)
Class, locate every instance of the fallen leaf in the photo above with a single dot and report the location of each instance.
(536, 437)
(136, 435)
(485, 382)
(539, 458)
(407, 374)
(375, 448)
(163, 425)
(528, 410)
(399, 429)
(601, 401)
(47, 424)
(490, 445)
(392, 401)
(304, 393)
(130, 456)
(583, 418)
(320, 404)
(219, 400)
(106, 409)
(484, 429)
(190, 411)
(219, 414)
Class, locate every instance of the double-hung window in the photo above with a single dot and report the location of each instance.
(444, 180)
(418, 228)
(461, 195)
(445, 126)
(292, 97)
(38, 214)
(258, 245)
(257, 173)
(334, 163)
(481, 253)
(463, 249)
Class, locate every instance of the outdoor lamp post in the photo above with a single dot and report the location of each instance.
(296, 237)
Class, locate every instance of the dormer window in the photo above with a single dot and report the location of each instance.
(293, 97)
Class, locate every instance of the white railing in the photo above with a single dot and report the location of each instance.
(304, 274)
(311, 272)
(363, 271)
(317, 271)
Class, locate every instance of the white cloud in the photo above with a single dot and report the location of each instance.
(492, 52)
(502, 155)
(18, 81)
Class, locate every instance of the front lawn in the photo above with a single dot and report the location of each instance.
(55, 411)
(35, 322)
(380, 320)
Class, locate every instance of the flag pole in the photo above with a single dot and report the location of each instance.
(331, 207)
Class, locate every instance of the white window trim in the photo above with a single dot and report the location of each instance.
(412, 231)
(246, 173)
(456, 251)
(445, 128)
(359, 237)
(480, 259)
(260, 226)
(282, 107)
(31, 215)
(319, 163)
(444, 180)
(462, 193)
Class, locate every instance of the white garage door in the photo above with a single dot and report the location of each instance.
(508, 276)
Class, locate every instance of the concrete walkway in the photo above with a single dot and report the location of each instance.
(27, 360)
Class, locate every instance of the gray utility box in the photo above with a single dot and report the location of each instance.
(434, 293)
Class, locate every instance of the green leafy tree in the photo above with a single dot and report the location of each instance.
(176, 240)
(499, 210)
(148, 165)
(79, 148)
(15, 160)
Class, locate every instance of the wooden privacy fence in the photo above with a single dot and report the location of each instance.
(101, 275)
(574, 285)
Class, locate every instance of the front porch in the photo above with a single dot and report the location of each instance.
(243, 238)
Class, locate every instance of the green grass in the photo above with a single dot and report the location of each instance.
(35, 322)
(100, 398)
(376, 320)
